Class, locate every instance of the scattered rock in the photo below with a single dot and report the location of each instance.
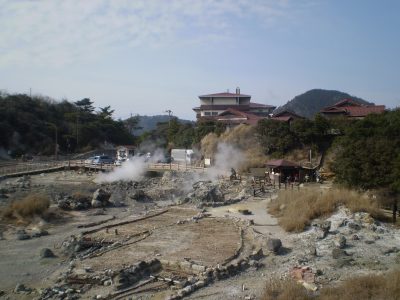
(390, 250)
(21, 288)
(337, 253)
(96, 204)
(46, 253)
(354, 225)
(322, 228)
(339, 241)
(100, 198)
(274, 245)
(22, 235)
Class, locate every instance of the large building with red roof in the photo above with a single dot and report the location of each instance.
(231, 108)
(351, 109)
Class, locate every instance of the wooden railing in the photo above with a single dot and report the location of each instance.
(28, 167)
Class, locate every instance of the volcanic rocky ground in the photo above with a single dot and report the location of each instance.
(173, 236)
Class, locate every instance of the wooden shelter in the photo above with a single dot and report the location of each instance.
(282, 170)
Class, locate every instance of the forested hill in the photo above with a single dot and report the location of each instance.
(311, 102)
(28, 125)
(148, 123)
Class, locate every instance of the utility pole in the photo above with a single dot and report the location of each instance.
(169, 129)
(77, 130)
(56, 139)
(169, 115)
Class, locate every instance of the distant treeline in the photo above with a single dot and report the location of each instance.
(30, 125)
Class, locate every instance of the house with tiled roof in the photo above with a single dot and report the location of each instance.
(286, 116)
(350, 109)
(232, 116)
(231, 108)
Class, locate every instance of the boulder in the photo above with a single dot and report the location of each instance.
(322, 227)
(274, 245)
(101, 196)
(46, 253)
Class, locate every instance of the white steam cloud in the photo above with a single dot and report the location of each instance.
(130, 170)
(227, 157)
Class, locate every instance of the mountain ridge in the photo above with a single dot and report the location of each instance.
(311, 102)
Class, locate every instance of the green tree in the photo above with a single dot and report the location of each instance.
(106, 112)
(85, 105)
(275, 136)
(368, 156)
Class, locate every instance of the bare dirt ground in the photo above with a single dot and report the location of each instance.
(153, 249)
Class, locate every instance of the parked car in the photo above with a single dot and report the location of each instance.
(120, 161)
(166, 160)
(89, 160)
(102, 159)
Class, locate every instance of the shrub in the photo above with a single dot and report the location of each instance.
(28, 207)
(296, 209)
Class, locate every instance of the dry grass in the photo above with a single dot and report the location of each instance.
(284, 290)
(27, 208)
(385, 286)
(241, 137)
(296, 209)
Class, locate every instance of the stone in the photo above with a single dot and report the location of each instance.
(390, 250)
(22, 235)
(96, 204)
(198, 268)
(21, 288)
(39, 233)
(101, 196)
(337, 253)
(138, 195)
(312, 250)
(310, 286)
(107, 282)
(258, 253)
(354, 226)
(322, 227)
(339, 241)
(274, 245)
(46, 253)
(199, 284)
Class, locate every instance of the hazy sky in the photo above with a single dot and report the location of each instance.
(147, 56)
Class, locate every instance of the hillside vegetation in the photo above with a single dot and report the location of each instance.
(29, 125)
(310, 103)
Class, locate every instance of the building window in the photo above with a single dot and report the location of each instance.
(207, 113)
(214, 113)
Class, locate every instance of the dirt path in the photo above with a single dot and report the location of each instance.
(264, 223)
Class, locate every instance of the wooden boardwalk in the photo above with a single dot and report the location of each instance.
(30, 168)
